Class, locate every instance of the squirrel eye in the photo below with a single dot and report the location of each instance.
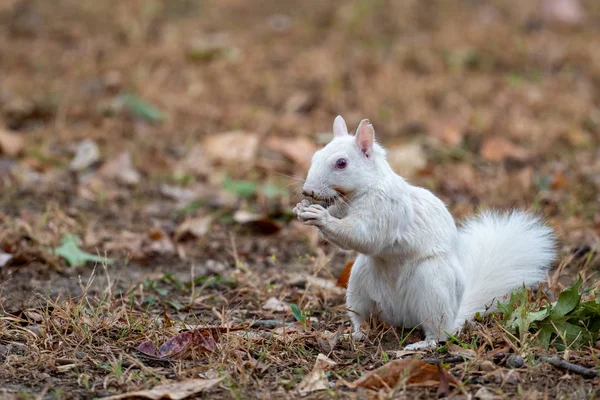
(341, 163)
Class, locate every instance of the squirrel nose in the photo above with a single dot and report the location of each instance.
(308, 193)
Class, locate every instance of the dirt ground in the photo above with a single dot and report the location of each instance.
(172, 137)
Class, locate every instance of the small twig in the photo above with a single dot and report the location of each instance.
(267, 323)
(578, 369)
(445, 360)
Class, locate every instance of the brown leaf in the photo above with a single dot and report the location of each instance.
(195, 162)
(413, 372)
(444, 387)
(274, 304)
(449, 132)
(158, 242)
(174, 391)
(559, 181)
(496, 149)
(328, 341)
(407, 159)
(201, 339)
(11, 144)
(564, 12)
(121, 169)
(197, 227)
(316, 379)
(237, 148)
(256, 222)
(300, 150)
(345, 275)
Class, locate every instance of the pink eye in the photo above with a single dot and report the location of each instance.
(341, 163)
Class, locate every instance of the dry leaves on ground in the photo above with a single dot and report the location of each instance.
(408, 371)
(182, 344)
(173, 391)
(317, 378)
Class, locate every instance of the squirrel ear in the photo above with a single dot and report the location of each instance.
(339, 127)
(365, 136)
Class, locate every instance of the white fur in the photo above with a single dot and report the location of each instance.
(415, 268)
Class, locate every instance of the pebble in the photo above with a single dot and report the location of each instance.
(515, 361)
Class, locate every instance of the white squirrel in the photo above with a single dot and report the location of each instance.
(415, 268)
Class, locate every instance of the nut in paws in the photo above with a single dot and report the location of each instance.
(312, 215)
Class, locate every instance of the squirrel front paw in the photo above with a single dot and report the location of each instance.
(313, 214)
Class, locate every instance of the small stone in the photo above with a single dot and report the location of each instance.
(11, 144)
(87, 154)
(515, 361)
(38, 330)
(5, 258)
(484, 394)
(4, 350)
(487, 366)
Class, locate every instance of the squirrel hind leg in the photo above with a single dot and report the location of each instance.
(427, 344)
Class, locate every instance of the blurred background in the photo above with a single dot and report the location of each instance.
(156, 128)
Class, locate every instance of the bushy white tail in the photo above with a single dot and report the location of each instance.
(500, 253)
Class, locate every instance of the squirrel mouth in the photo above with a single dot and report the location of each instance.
(323, 202)
(326, 203)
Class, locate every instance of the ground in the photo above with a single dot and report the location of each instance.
(172, 137)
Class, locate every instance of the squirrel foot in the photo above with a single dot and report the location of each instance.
(358, 336)
(422, 345)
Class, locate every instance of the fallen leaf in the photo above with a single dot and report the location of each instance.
(174, 391)
(484, 394)
(456, 350)
(195, 162)
(5, 258)
(345, 275)
(121, 169)
(559, 181)
(70, 251)
(274, 304)
(299, 102)
(328, 340)
(413, 372)
(177, 193)
(180, 345)
(300, 150)
(496, 149)
(449, 132)
(86, 155)
(567, 12)
(407, 159)
(316, 379)
(129, 242)
(256, 222)
(158, 242)
(209, 48)
(142, 108)
(11, 144)
(444, 386)
(321, 283)
(197, 227)
(236, 148)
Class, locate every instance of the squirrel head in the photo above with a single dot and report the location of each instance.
(346, 165)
